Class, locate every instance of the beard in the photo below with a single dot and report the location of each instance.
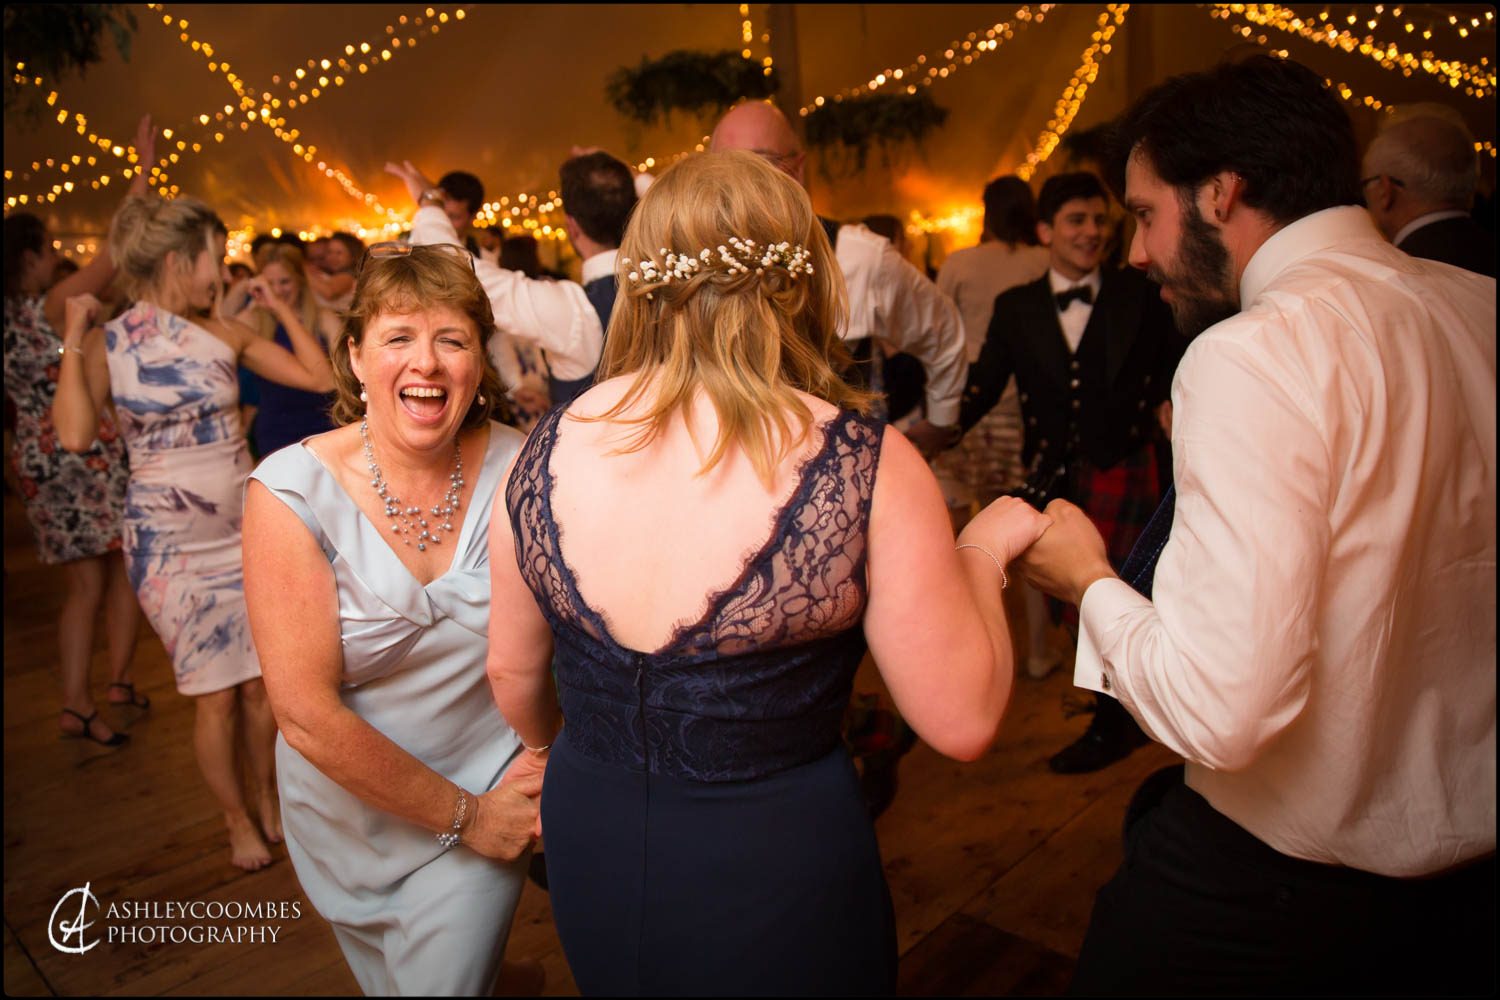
(1200, 281)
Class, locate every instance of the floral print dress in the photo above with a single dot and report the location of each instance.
(177, 403)
(74, 502)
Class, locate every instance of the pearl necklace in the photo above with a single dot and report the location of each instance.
(408, 520)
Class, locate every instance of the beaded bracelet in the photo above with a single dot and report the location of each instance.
(1004, 580)
(452, 838)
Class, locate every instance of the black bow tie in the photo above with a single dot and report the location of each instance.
(1083, 293)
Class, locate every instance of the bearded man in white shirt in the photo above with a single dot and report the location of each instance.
(1319, 644)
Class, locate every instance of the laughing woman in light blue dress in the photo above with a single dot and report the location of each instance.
(175, 392)
(367, 580)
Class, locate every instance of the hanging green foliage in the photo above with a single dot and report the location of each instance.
(885, 120)
(54, 40)
(687, 81)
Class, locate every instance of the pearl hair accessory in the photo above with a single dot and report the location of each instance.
(737, 257)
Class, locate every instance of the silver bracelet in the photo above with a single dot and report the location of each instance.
(64, 349)
(536, 750)
(451, 839)
(1004, 580)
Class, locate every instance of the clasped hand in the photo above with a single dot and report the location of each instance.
(1066, 559)
(509, 819)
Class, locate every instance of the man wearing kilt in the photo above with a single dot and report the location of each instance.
(1093, 351)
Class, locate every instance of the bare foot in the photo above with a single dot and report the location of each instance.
(270, 816)
(246, 848)
(524, 978)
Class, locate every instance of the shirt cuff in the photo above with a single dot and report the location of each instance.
(943, 413)
(431, 225)
(1105, 601)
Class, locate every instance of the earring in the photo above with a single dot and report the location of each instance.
(364, 397)
(480, 399)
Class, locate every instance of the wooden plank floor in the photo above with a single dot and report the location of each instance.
(992, 865)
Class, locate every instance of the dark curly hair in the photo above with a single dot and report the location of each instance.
(1272, 121)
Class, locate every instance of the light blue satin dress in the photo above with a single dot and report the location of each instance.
(411, 917)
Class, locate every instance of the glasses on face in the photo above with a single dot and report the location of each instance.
(395, 248)
(1366, 182)
(781, 161)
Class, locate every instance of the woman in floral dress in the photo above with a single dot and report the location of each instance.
(169, 364)
(74, 502)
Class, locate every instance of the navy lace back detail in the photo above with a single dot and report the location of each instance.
(760, 681)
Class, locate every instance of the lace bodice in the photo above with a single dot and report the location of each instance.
(760, 681)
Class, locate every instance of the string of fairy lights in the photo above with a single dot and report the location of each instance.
(1344, 91)
(1476, 79)
(1354, 33)
(747, 36)
(925, 70)
(922, 71)
(1071, 100)
(266, 111)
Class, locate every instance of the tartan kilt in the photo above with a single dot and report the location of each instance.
(1119, 500)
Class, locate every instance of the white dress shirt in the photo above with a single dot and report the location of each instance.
(600, 265)
(1321, 648)
(554, 315)
(1075, 319)
(891, 300)
(975, 276)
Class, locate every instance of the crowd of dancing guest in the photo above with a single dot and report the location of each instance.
(74, 502)
(167, 367)
(460, 655)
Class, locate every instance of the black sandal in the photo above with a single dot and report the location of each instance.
(139, 701)
(116, 740)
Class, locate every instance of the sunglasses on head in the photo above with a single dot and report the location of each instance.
(395, 248)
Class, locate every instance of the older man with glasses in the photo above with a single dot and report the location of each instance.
(1421, 175)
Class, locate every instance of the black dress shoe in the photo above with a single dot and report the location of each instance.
(1111, 736)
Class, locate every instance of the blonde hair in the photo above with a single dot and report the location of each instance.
(290, 257)
(424, 279)
(147, 228)
(749, 340)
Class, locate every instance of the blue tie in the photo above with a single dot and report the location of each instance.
(1139, 569)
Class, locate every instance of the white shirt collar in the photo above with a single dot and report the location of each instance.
(600, 265)
(1309, 234)
(1427, 220)
(1094, 280)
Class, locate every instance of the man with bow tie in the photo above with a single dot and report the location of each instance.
(1093, 351)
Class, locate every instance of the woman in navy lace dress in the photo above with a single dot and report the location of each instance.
(702, 547)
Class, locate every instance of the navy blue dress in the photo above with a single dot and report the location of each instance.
(286, 415)
(704, 827)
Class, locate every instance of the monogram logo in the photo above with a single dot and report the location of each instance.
(71, 931)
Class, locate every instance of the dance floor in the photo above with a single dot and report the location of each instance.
(993, 865)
